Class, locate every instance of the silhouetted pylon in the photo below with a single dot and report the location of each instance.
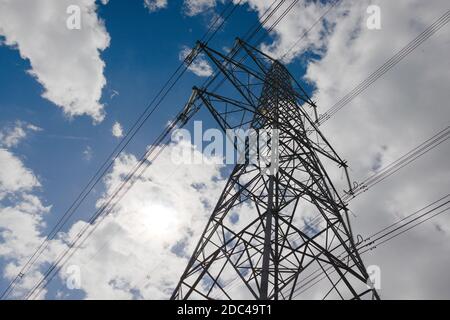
(273, 233)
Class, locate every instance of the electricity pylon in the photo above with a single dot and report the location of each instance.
(272, 233)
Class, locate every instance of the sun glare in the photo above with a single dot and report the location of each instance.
(160, 221)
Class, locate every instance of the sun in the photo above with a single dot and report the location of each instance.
(160, 221)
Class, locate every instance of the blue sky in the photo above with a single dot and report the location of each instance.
(144, 49)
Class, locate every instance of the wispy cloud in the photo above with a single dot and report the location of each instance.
(88, 153)
(11, 136)
(155, 5)
(67, 137)
(195, 7)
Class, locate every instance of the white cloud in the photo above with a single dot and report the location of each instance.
(117, 130)
(293, 26)
(134, 252)
(14, 176)
(10, 136)
(199, 66)
(88, 153)
(154, 5)
(21, 222)
(195, 7)
(65, 62)
(288, 30)
(21, 226)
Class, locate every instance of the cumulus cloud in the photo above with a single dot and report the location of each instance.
(117, 130)
(65, 62)
(22, 222)
(14, 176)
(285, 44)
(294, 26)
(11, 135)
(199, 66)
(141, 249)
(21, 231)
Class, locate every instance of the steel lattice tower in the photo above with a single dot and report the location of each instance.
(260, 241)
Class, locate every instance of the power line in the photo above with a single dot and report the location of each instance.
(398, 226)
(310, 28)
(412, 155)
(268, 13)
(408, 216)
(384, 173)
(435, 206)
(390, 169)
(399, 56)
(374, 246)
